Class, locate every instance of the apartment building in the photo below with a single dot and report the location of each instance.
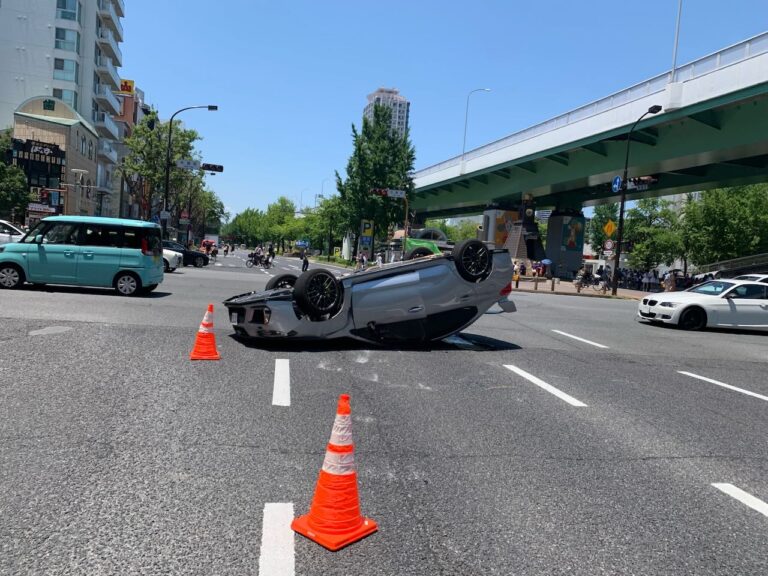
(391, 98)
(68, 50)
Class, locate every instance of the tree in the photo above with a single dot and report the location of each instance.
(595, 235)
(14, 192)
(380, 159)
(727, 223)
(652, 229)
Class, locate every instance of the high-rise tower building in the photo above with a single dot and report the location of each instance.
(391, 98)
(70, 50)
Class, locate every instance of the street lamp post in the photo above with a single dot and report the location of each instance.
(466, 119)
(164, 222)
(655, 109)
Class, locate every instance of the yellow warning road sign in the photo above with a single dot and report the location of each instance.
(609, 228)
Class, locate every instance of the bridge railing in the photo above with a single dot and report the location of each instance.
(736, 264)
(726, 57)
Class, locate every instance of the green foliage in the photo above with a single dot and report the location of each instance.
(463, 230)
(652, 228)
(380, 159)
(727, 223)
(14, 191)
(594, 233)
(5, 143)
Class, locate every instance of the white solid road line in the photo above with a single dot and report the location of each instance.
(724, 385)
(281, 393)
(548, 387)
(277, 545)
(580, 339)
(743, 497)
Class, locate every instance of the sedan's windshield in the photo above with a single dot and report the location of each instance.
(712, 288)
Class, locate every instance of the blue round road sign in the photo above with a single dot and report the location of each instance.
(616, 184)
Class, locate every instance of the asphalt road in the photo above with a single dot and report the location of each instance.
(118, 455)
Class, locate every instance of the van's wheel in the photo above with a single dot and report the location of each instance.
(127, 284)
(473, 260)
(318, 293)
(418, 252)
(11, 276)
(282, 281)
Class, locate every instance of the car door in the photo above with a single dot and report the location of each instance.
(100, 250)
(388, 299)
(54, 259)
(744, 306)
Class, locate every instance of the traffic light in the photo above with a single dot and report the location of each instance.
(212, 167)
(379, 191)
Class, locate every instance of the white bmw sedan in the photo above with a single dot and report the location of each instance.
(713, 304)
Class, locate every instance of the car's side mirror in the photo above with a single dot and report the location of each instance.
(39, 239)
(729, 296)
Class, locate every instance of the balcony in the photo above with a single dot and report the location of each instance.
(110, 18)
(107, 72)
(106, 151)
(120, 8)
(108, 44)
(105, 126)
(106, 98)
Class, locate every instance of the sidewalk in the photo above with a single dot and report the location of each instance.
(567, 288)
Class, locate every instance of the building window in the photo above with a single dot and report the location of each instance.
(68, 96)
(65, 70)
(90, 149)
(82, 145)
(67, 10)
(68, 40)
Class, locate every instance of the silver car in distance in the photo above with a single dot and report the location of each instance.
(417, 300)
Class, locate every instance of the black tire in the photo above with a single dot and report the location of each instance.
(282, 281)
(317, 292)
(11, 276)
(166, 266)
(693, 318)
(418, 252)
(473, 260)
(127, 284)
(249, 263)
(198, 262)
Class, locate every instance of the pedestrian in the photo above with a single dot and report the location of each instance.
(647, 281)
(654, 281)
(226, 250)
(365, 260)
(380, 259)
(304, 261)
(522, 268)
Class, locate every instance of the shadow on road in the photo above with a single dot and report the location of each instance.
(462, 341)
(94, 291)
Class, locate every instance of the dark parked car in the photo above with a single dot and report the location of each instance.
(423, 299)
(191, 257)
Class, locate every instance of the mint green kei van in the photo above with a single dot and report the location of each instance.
(86, 251)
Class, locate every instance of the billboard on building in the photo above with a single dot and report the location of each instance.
(126, 87)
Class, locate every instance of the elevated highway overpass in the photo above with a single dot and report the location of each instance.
(713, 131)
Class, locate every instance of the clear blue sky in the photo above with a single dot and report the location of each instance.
(290, 77)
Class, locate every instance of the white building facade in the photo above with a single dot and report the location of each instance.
(70, 50)
(391, 98)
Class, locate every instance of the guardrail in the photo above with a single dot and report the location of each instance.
(735, 264)
(726, 57)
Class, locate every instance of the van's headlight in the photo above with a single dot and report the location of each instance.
(670, 304)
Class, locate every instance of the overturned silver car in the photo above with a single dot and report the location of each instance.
(417, 300)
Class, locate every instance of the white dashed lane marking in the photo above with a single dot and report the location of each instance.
(281, 392)
(724, 385)
(743, 497)
(277, 541)
(544, 386)
(580, 339)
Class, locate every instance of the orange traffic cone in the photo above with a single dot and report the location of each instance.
(205, 343)
(334, 518)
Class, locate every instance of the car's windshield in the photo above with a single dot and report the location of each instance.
(712, 288)
(37, 229)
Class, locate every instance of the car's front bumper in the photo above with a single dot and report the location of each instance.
(657, 313)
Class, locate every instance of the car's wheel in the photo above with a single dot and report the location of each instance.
(282, 281)
(199, 261)
(418, 252)
(166, 265)
(473, 260)
(11, 276)
(171, 269)
(693, 319)
(127, 284)
(317, 292)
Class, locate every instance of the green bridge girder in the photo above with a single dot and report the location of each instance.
(718, 142)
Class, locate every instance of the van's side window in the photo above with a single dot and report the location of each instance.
(132, 238)
(61, 234)
(99, 235)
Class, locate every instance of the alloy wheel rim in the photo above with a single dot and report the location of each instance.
(475, 260)
(322, 291)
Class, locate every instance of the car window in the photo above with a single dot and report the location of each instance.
(98, 235)
(751, 291)
(61, 233)
(712, 288)
(37, 229)
(5, 229)
(154, 241)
